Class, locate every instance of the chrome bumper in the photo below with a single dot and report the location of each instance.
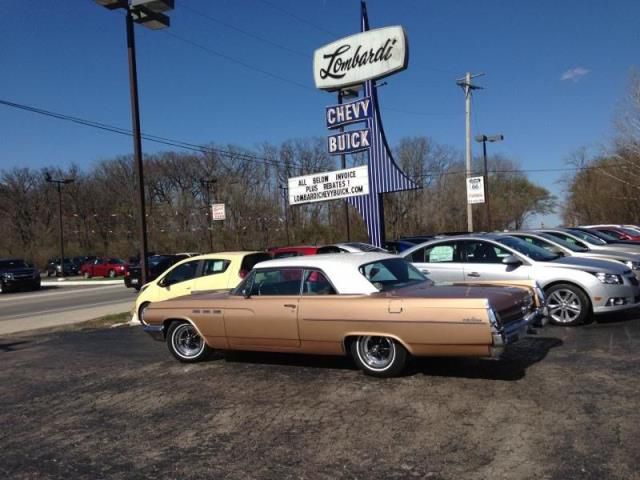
(515, 331)
(156, 332)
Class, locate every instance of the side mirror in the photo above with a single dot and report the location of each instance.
(246, 292)
(557, 251)
(511, 260)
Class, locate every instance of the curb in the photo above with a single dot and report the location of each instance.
(62, 283)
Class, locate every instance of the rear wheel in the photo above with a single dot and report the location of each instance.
(141, 312)
(185, 343)
(87, 275)
(379, 356)
(568, 305)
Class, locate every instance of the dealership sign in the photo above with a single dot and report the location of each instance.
(345, 113)
(364, 56)
(475, 190)
(349, 142)
(218, 211)
(319, 187)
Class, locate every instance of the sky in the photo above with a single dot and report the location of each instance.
(240, 72)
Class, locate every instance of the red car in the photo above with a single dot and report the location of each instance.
(283, 252)
(104, 267)
(621, 233)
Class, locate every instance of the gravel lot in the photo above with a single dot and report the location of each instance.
(112, 403)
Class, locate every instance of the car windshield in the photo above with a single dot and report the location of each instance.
(156, 259)
(116, 261)
(571, 246)
(630, 231)
(593, 239)
(391, 273)
(15, 263)
(535, 253)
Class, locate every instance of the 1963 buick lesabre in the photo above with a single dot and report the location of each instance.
(376, 306)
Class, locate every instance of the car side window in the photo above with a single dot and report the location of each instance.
(315, 283)
(214, 266)
(182, 273)
(537, 242)
(441, 253)
(285, 281)
(484, 252)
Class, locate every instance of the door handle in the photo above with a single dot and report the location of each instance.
(290, 305)
(473, 274)
(424, 270)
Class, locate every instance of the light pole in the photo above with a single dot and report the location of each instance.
(284, 191)
(150, 14)
(59, 182)
(484, 139)
(206, 184)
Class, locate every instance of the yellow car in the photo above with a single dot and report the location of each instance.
(213, 271)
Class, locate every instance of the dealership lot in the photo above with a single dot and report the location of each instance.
(112, 403)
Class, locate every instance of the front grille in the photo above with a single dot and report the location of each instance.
(22, 276)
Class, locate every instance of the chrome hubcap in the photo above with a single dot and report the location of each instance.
(186, 341)
(377, 352)
(564, 306)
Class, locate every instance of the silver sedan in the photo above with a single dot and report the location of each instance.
(575, 287)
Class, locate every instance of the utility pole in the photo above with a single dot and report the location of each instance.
(468, 89)
(487, 201)
(206, 183)
(285, 191)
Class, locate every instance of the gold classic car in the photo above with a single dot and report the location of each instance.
(375, 306)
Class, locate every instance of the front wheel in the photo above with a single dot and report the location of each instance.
(86, 275)
(112, 274)
(186, 344)
(567, 304)
(379, 356)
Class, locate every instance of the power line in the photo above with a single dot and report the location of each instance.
(238, 62)
(244, 32)
(152, 138)
(300, 19)
(531, 170)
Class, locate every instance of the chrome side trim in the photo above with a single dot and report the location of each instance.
(156, 332)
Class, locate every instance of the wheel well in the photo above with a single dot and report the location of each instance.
(349, 339)
(561, 282)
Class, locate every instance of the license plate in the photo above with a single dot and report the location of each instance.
(134, 281)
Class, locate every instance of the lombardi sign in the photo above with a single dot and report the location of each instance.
(329, 185)
(360, 57)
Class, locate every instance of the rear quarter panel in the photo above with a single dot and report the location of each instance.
(423, 326)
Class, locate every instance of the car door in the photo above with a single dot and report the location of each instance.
(483, 260)
(97, 267)
(266, 316)
(213, 275)
(178, 281)
(441, 262)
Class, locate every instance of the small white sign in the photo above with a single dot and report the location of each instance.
(218, 211)
(475, 190)
(319, 187)
(360, 57)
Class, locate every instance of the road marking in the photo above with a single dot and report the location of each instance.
(66, 309)
(33, 296)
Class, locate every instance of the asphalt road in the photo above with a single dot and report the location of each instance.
(113, 404)
(50, 306)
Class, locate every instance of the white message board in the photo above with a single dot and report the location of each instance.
(320, 187)
(475, 190)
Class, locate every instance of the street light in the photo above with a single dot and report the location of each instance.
(59, 182)
(150, 14)
(206, 184)
(285, 192)
(484, 139)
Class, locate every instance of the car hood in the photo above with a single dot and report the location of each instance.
(614, 254)
(19, 271)
(588, 264)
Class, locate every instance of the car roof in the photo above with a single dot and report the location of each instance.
(228, 255)
(341, 268)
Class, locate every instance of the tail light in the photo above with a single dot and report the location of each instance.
(128, 273)
(243, 273)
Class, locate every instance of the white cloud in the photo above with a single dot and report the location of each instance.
(574, 74)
